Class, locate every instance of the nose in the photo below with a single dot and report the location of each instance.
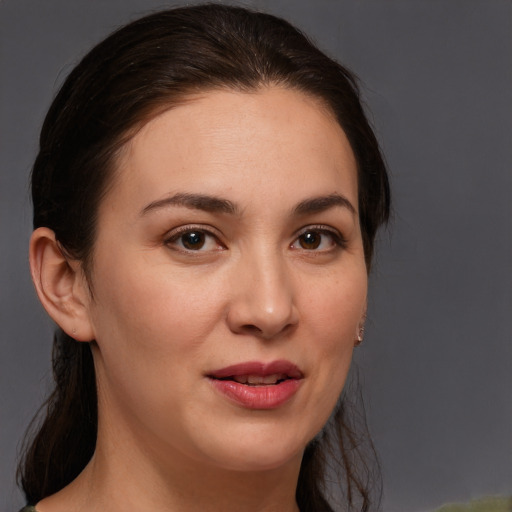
(263, 299)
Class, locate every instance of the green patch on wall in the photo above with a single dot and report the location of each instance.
(491, 504)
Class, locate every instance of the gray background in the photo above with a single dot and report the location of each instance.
(437, 361)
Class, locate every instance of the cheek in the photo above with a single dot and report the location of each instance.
(336, 308)
(150, 330)
(149, 327)
(150, 304)
(334, 315)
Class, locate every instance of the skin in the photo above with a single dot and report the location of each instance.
(164, 316)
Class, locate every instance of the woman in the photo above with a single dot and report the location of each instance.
(206, 198)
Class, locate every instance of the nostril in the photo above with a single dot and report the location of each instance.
(253, 329)
(266, 333)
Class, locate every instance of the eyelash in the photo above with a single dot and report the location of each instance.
(336, 236)
(178, 233)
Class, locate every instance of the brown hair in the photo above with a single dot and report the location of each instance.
(150, 64)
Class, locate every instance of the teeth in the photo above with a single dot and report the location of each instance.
(258, 380)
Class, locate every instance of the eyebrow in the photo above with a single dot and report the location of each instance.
(214, 204)
(323, 203)
(193, 201)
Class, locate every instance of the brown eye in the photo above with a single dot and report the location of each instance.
(193, 240)
(319, 239)
(310, 240)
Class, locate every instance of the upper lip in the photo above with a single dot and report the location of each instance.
(258, 368)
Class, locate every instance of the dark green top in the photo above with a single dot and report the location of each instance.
(28, 509)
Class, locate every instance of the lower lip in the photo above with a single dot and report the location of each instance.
(258, 397)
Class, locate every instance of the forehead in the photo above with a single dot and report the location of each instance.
(222, 139)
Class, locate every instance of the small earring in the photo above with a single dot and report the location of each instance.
(360, 336)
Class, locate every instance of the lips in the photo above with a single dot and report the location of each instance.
(257, 385)
(258, 380)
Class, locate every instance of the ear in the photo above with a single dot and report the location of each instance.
(363, 315)
(60, 285)
(360, 327)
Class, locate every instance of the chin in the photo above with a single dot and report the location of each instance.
(258, 462)
(261, 453)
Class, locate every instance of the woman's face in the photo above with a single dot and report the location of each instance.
(229, 280)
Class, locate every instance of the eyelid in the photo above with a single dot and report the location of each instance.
(336, 235)
(174, 234)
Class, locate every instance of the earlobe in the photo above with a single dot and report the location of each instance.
(360, 329)
(61, 286)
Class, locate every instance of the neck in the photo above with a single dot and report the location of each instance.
(118, 478)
